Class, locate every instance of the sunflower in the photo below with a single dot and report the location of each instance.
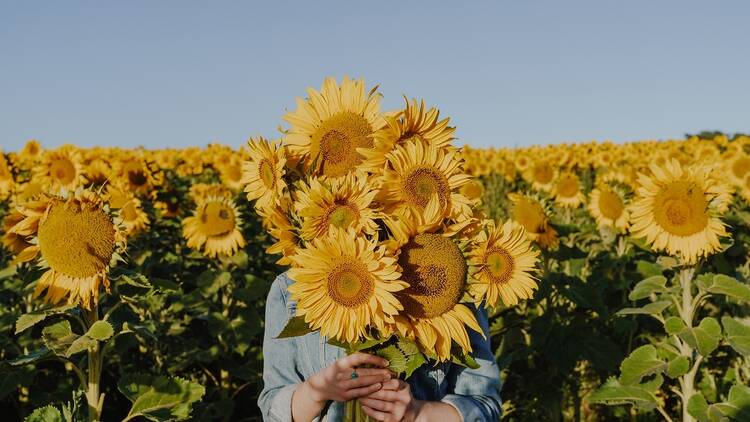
(134, 174)
(416, 173)
(6, 178)
(200, 191)
(530, 214)
(276, 221)
(345, 284)
(473, 190)
(541, 175)
(739, 168)
(29, 155)
(608, 207)
(341, 202)
(231, 173)
(435, 269)
(77, 240)
(214, 227)
(413, 123)
(12, 241)
(329, 126)
(60, 169)
(567, 190)
(129, 210)
(677, 210)
(502, 263)
(262, 174)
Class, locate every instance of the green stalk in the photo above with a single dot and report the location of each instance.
(687, 381)
(94, 399)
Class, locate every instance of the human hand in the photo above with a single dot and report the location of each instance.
(335, 382)
(394, 402)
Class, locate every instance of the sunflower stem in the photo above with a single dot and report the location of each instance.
(687, 311)
(93, 398)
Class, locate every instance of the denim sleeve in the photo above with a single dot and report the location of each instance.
(476, 393)
(280, 374)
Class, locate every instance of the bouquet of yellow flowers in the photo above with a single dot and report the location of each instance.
(382, 228)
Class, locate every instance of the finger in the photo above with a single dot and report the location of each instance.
(381, 405)
(363, 381)
(362, 372)
(362, 359)
(356, 393)
(387, 395)
(392, 384)
(375, 414)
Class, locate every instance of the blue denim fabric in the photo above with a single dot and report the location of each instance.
(475, 393)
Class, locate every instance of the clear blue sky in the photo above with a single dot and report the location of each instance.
(179, 73)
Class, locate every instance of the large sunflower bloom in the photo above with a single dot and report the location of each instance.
(341, 202)
(677, 210)
(214, 227)
(264, 171)
(417, 173)
(329, 126)
(502, 263)
(435, 269)
(413, 123)
(77, 240)
(344, 285)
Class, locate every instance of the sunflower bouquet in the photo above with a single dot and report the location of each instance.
(381, 227)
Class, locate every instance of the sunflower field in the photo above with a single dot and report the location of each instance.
(133, 281)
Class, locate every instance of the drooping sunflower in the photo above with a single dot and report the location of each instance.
(344, 283)
(77, 240)
(264, 171)
(416, 173)
(214, 227)
(329, 126)
(608, 207)
(678, 210)
(341, 202)
(413, 123)
(530, 213)
(567, 190)
(60, 169)
(502, 264)
(435, 269)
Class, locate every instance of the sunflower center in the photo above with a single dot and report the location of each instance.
(216, 219)
(266, 173)
(543, 173)
(741, 167)
(336, 140)
(610, 205)
(530, 215)
(342, 215)
(680, 209)
(350, 284)
(568, 187)
(422, 183)
(499, 264)
(76, 240)
(63, 170)
(137, 178)
(436, 272)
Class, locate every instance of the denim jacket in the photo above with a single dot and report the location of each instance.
(475, 393)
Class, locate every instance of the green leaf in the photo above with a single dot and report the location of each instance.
(736, 408)
(160, 398)
(80, 344)
(58, 337)
(725, 285)
(32, 357)
(678, 366)
(613, 393)
(641, 362)
(674, 325)
(295, 327)
(45, 414)
(698, 407)
(705, 337)
(30, 319)
(397, 359)
(101, 330)
(654, 308)
(644, 288)
(737, 334)
(647, 268)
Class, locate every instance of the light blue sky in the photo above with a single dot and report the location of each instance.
(179, 73)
